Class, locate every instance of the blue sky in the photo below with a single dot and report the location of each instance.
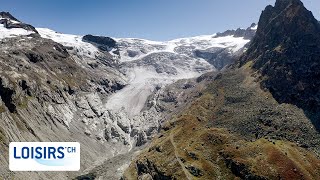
(150, 19)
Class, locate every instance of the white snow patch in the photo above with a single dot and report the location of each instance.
(254, 27)
(12, 21)
(82, 48)
(209, 41)
(13, 32)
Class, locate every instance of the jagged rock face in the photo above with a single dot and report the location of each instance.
(103, 43)
(11, 22)
(286, 51)
(6, 96)
(7, 15)
(49, 93)
(246, 33)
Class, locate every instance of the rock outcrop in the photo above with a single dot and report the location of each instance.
(245, 33)
(286, 53)
(103, 43)
(11, 22)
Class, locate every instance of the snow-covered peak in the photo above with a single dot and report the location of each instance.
(82, 46)
(132, 49)
(8, 16)
(12, 27)
(208, 41)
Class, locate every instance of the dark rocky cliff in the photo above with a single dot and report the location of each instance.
(102, 42)
(286, 53)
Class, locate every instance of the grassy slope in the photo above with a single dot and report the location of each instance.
(222, 135)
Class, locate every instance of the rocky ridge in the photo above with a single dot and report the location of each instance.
(245, 33)
(11, 22)
(285, 52)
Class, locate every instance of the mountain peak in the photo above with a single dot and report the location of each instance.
(285, 51)
(287, 14)
(287, 21)
(245, 33)
(10, 22)
(7, 15)
(282, 4)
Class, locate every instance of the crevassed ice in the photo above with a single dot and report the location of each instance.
(198, 42)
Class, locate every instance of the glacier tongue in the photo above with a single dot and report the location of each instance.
(126, 118)
(148, 66)
(143, 82)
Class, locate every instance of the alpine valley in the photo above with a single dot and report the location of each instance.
(241, 104)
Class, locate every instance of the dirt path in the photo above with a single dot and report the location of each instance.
(187, 174)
